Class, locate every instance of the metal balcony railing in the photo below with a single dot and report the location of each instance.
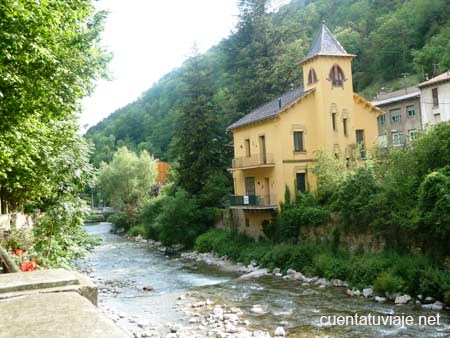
(254, 200)
(253, 161)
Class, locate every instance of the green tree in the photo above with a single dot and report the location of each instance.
(125, 183)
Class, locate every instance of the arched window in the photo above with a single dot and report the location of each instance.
(312, 77)
(336, 76)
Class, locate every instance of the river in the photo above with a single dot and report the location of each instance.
(122, 268)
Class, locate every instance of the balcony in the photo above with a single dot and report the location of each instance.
(253, 202)
(254, 161)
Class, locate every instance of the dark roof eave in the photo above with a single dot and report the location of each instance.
(231, 127)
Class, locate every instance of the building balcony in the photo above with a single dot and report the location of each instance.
(254, 161)
(253, 202)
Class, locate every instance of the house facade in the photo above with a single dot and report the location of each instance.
(402, 116)
(435, 97)
(274, 145)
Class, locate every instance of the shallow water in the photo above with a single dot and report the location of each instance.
(123, 267)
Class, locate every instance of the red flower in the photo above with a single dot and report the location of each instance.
(28, 266)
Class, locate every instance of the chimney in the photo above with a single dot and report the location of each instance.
(279, 102)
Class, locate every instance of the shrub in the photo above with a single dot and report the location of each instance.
(363, 270)
(293, 218)
(387, 282)
(137, 230)
(181, 220)
(353, 196)
(120, 220)
(433, 282)
(330, 266)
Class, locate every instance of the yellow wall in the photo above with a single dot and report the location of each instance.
(312, 114)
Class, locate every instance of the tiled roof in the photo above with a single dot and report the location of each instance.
(326, 44)
(440, 78)
(270, 109)
(396, 96)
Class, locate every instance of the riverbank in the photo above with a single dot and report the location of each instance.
(381, 277)
(254, 270)
(122, 268)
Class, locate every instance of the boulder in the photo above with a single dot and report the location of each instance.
(402, 299)
(380, 299)
(255, 274)
(279, 332)
(367, 292)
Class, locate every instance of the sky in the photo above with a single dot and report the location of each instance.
(148, 38)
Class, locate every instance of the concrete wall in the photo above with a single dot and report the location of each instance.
(430, 114)
(388, 128)
(15, 221)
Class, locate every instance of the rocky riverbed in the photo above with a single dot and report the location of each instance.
(201, 295)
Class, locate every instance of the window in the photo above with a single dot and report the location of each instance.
(344, 126)
(250, 186)
(301, 182)
(360, 142)
(247, 148)
(336, 76)
(298, 141)
(411, 111)
(412, 134)
(333, 120)
(312, 77)
(434, 92)
(396, 116)
(381, 119)
(397, 139)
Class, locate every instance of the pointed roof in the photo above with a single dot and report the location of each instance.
(326, 44)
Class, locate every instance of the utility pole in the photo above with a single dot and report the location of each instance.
(404, 81)
(435, 69)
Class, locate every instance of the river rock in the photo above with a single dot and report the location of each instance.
(261, 334)
(218, 313)
(148, 288)
(258, 309)
(429, 300)
(232, 317)
(367, 292)
(255, 274)
(230, 328)
(276, 270)
(380, 299)
(402, 299)
(143, 323)
(437, 306)
(349, 292)
(279, 332)
(236, 310)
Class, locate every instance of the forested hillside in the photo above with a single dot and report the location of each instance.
(393, 39)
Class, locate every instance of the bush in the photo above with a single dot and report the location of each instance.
(294, 218)
(181, 220)
(435, 283)
(363, 270)
(330, 266)
(137, 230)
(120, 220)
(387, 282)
(352, 199)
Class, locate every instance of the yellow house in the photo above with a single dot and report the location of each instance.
(274, 144)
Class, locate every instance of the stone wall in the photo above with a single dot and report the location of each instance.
(10, 222)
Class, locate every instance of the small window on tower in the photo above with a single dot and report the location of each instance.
(312, 77)
(336, 76)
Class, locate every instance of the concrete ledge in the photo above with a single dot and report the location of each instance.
(64, 314)
(46, 281)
